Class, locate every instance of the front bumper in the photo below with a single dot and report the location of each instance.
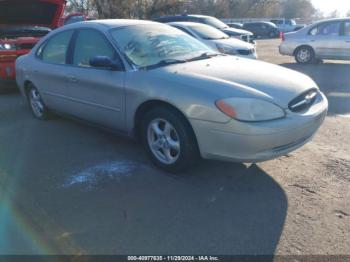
(256, 142)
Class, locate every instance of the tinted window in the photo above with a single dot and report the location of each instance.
(89, 44)
(55, 50)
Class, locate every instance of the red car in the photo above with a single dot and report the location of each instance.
(22, 24)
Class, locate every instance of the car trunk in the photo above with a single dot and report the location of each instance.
(45, 13)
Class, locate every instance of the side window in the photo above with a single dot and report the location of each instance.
(327, 29)
(89, 44)
(346, 29)
(55, 49)
(314, 31)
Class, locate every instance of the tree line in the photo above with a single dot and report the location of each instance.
(148, 9)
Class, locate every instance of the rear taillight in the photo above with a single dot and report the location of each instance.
(282, 36)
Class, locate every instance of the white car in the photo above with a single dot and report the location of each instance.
(217, 40)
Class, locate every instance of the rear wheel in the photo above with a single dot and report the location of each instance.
(169, 139)
(305, 55)
(37, 105)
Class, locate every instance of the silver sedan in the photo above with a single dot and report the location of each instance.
(180, 98)
(327, 39)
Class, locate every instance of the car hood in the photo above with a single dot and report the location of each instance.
(230, 31)
(227, 76)
(235, 43)
(31, 12)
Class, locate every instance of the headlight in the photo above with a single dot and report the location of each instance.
(7, 47)
(226, 49)
(250, 109)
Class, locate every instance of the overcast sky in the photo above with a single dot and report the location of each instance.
(328, 6)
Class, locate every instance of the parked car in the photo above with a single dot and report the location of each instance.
(235, 25)
(180, 98)
(286, 25)
(212, 21)
(327, 39)
(262, 29)
(217, 40)
(22, 24)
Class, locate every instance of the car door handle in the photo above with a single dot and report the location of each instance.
(72, 79)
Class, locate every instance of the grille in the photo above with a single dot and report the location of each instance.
(303, 101)
(245, 52)
(25, 46)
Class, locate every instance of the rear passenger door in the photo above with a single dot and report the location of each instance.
(326, 41)
(97, 93)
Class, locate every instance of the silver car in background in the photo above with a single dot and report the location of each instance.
(181, 99)
(217, 40)
(328, 39)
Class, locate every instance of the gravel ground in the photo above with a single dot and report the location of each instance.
(67, 188)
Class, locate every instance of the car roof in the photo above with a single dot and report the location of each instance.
(112, 23)
(333, 20)
(259, 22)
(184, 15)
(186, 24)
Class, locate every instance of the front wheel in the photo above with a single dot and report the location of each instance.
(169, 139)
(36, 103)
(305, 55)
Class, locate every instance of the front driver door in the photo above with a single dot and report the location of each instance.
(97, 94)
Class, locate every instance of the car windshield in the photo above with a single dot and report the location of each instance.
(208, 32)
(215, 23)
(150, 45)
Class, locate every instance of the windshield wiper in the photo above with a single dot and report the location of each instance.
(162, 63)
(205, 55)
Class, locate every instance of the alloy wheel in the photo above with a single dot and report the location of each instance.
(304, 55)
(36, 103)
(163, 140)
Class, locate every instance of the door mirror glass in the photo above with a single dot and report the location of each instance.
(105, 62)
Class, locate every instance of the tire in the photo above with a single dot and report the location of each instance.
(37, 106)
(169, 139)
(272, 35)
(305, 55)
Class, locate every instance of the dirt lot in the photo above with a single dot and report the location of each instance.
(69, 188)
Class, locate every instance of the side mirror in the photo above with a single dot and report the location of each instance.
(106, 62)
